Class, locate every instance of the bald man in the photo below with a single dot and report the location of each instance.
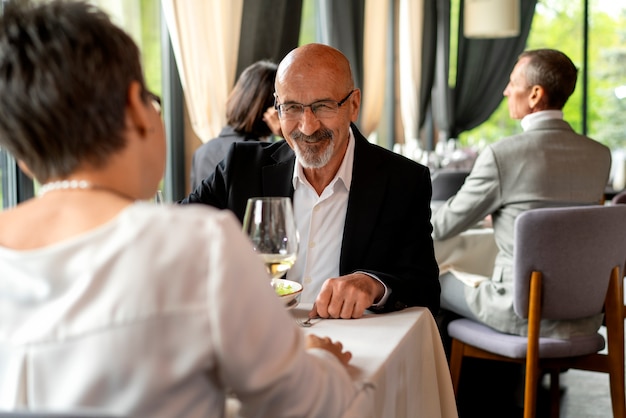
(362, 212)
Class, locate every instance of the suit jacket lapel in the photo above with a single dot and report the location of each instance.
(367, 192)
(277, 178)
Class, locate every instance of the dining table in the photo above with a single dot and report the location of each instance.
(398, 362)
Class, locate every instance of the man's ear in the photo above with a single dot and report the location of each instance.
(136, 111)
(355, 99)
(536, 98)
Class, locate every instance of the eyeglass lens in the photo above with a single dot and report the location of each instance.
(321, 109)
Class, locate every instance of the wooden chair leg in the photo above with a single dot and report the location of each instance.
(618, 400)
(555, 394)
(456, 359)
(530, 390)
(532, 355)
(614, 305)
(616, 374)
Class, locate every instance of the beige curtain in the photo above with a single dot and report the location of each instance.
(410, 31)
(374, 65)
(205, 40)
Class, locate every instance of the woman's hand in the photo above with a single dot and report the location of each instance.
(313, 341)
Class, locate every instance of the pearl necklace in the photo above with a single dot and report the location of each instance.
(77, 185)
(64, 185)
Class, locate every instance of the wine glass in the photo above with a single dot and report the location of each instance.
(270, 224)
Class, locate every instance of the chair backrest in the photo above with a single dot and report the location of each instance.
(447, 182)
(575, 249)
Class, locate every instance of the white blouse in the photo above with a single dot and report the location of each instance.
(155, 314)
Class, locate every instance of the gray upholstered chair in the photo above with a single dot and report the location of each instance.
(567, 265)
(56, 414)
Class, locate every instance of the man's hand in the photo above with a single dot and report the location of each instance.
(347, 296)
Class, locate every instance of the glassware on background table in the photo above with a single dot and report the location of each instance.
(270, 224)
(158, 197)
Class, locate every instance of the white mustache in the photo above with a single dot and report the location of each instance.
(312, 139)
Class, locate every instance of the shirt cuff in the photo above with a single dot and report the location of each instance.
(382, 300)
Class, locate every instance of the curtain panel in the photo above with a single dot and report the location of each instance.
(374, 65)
(341, 24)
(215, 40)
(483, 70)
(417, 45)
(205, 40)
(269, 30)
(441, 105)
(360, 29)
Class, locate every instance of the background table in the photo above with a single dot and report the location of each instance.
(473, 252)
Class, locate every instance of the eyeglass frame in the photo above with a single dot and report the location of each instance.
(277, 105)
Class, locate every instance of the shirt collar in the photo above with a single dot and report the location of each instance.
(533, 118)
(344, 174)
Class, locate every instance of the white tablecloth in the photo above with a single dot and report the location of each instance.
(400, 357)
(399, 360)
(468, 255)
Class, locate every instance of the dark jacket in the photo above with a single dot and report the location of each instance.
(387, 229)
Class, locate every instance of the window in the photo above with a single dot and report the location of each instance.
(559, 24)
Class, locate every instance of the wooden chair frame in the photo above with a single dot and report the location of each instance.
(611, 363)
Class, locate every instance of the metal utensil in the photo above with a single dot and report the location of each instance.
(306, 323)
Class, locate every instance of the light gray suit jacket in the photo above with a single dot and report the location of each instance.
(546, 166)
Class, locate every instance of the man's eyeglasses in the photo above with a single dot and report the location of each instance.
(321, 109)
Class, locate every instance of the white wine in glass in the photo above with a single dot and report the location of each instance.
(270, 224)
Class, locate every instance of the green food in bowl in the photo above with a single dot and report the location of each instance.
(283, 289)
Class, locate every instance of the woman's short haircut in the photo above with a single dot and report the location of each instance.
(65, 69)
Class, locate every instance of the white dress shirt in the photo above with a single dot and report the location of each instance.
(157, 313)
(320, 219)
(533, 118)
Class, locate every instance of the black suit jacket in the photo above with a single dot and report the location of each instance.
(387, 229)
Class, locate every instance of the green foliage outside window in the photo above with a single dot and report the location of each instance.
(558, 24)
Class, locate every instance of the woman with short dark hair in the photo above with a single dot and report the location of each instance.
(114, 304)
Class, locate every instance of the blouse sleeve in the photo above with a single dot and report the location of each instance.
(260, 351)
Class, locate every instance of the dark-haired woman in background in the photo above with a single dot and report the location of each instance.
(250, 116)
(102, 307)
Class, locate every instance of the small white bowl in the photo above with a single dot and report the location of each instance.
(287, 290)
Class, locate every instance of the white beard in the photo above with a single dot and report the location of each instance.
(312, 159)
(311, 154)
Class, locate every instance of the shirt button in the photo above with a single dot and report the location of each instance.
(311, 244)
(307, 280)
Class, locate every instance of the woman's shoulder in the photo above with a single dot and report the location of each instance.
(176, 217)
